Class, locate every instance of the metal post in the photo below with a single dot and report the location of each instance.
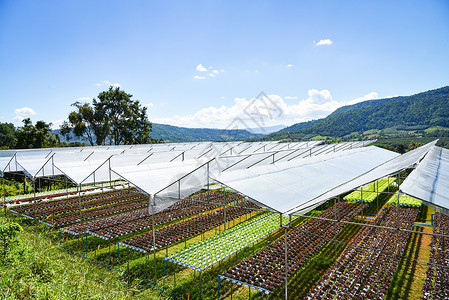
(34, 193)
(79, 202)
(335, 227)
(208, 177)
(154, 235)
(377, 197)
(286, 266)
(86, 245)
(3, 194)
(397, 209)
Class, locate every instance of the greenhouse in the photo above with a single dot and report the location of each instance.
(250, 214)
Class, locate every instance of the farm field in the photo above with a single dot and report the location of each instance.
(134, 274)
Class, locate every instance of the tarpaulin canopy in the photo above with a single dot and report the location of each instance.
(287, 185)
(430, 180)
(389, 167)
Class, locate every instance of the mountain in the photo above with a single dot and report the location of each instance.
(171, 133)
(416, 112)
(266, 130)
(181, 134)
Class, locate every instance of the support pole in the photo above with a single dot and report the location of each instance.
(397, 209)
(335, 228)
(286, 266)
(3, 194)
(154, 235)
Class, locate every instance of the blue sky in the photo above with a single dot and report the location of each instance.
(199, 63)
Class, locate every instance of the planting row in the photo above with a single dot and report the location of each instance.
(49, 195)
(96, 212)
(369, 192)
(180, 209)
(214, 249)
(404, 200)
(437, 280)
(189, 228)
(44, 205)
(366, 267)
(266, 268)
(129, 222)
(95, 202)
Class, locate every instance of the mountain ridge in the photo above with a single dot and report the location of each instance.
(426, 109)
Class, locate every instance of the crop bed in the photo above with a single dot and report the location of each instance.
(95, 202)
(191, 227)
(97, 212)
(437, 280)
(66, 202)
(266, 268)
(368, 192)
(404, 200)
(180, 209)
(366, 267)
(211, 251)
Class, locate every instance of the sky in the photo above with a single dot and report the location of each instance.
(210, 63)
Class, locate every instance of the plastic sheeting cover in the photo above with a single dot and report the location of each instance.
(287, 185)
(389, 167)
(430, 180)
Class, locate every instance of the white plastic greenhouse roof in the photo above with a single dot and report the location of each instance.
(287, 185)
(389, 167)
(430, 180)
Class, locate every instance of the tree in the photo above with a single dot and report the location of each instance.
(36, 136)
(7, 136)
(114, 119)
(413, 145)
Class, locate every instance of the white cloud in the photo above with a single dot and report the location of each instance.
(319, 97)
(323, 42)
(215, 71)
(24, 111)
(317, 105)
(108, 83)
(149, 104)
(290, 65)
(198, 77)
(19, 118)
(211, 74)
(370, 96)
(201, 68)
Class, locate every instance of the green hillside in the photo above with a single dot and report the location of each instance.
(423, 114)
(181, 134)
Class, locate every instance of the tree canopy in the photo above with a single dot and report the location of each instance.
(36, 136)
(114, 119)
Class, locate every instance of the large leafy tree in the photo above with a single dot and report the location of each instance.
(7, 136)
(114, 119)
(36, 136)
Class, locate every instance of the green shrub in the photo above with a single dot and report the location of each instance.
(8, 238)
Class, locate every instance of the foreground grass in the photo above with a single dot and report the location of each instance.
(40, 269)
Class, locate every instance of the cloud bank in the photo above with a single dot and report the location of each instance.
(268, 111)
